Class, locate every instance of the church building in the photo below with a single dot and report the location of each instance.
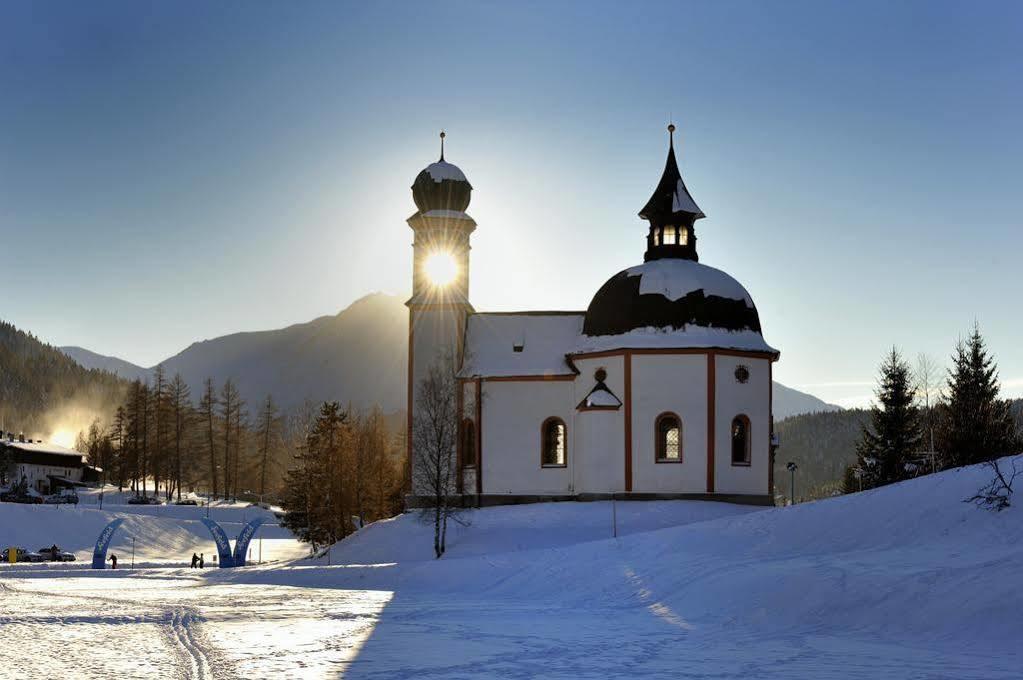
(660, 389)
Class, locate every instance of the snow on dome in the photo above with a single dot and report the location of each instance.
(670, 292)
(675, 278)
(442, 170)
(688, 337)
(441, 186)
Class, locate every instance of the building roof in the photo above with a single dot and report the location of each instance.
(681, 295)
(671, 195)
(441, 186)
(690, 337)
(520, 343)
(33, 453)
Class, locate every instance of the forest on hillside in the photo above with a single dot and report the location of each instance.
(43, 392)
(822, 445)
(157, 438)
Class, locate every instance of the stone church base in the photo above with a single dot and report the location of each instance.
(489, 500)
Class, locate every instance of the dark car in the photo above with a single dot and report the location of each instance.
(144, 500)
(69, 497)
(56, 556)
(18, 497)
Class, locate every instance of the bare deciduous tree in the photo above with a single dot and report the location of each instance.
(928, 383)
(434, 437)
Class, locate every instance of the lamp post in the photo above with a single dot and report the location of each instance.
(792, 467)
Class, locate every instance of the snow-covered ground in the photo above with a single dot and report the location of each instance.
(164, 534)
(901, 582)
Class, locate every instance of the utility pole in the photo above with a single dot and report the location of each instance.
(792, 467)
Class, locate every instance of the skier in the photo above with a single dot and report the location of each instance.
(113, 559)
(195, 560)
(202, 560)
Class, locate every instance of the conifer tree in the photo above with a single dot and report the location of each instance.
(886, 450)
(207, 408)
(975, 425)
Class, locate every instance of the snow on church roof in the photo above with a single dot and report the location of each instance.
(442, 170)
(675, 278)
(689, 337)
(520, 343)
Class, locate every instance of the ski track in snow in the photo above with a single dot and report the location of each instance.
(178, 625)
(902, 582)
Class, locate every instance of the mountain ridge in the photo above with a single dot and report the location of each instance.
(306, 360)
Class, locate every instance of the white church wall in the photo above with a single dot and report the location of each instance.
(513, 412)
(600, 435)
(469, 412)
(435, 335)
(675, 383)
(753, 400)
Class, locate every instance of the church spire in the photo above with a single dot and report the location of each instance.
(671, 212)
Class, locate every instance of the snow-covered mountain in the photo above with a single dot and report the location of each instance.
(358, 355)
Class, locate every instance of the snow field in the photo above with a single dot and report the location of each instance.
(901, 582)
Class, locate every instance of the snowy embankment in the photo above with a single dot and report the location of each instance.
(164, 534)
(901, 582)
(905, 581)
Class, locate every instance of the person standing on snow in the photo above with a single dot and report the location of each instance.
(113, 559)
(202, 560)
(195, 560)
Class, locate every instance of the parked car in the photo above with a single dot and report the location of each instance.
(23, 555)
(69, 496)
(18, 497)
(187, 501)
(144, 500)
(59, 556)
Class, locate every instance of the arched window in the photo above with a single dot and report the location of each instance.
(468, 443)
(740, 440)
(668, 430)
(554, 439)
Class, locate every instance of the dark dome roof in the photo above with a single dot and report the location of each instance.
(441, 186)
(671, 293)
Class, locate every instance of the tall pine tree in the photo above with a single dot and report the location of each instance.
(887, 449)
(974, 425)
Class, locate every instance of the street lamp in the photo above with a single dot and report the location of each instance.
(792, 467)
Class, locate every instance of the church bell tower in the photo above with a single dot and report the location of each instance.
(439, 304)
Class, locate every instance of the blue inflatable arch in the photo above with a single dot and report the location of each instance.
(223, 544)
(99, 553)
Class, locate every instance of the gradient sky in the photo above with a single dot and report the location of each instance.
(171, 172)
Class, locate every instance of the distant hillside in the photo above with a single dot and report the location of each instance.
(358, 355)
(821, 444)
(43, 392)
(789, 402)
(119, 367)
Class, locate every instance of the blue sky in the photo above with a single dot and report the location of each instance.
(171, 172)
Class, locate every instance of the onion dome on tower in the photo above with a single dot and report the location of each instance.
(672, 300)
(441, 186)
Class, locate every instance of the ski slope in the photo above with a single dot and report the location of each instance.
(901, 582)
(165, 535)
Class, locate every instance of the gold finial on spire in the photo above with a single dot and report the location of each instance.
(442, 136)
(671, 134)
